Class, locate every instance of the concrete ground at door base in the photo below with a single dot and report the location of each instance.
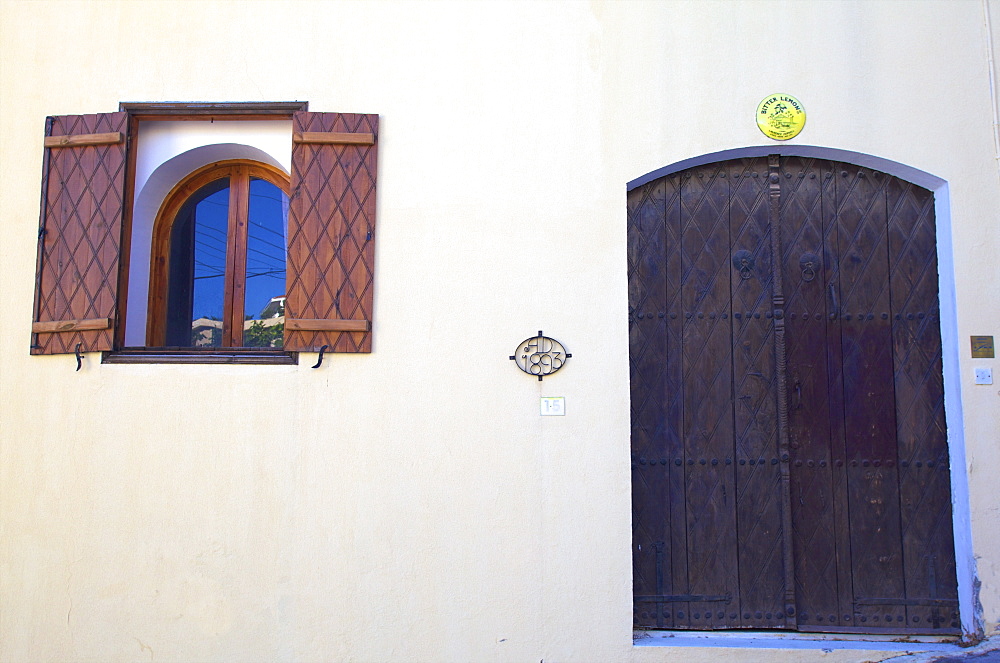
(988, 657)
(987, 651)
(768, 647)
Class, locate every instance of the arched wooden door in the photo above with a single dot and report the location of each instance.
(789, 458)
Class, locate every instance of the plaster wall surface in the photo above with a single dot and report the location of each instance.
(410, 504)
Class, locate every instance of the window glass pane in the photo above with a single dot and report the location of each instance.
(264, 303)
(198, 268)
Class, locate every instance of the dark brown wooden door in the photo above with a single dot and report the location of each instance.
(790, 464)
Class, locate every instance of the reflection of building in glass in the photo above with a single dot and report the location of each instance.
(274, 308)
(206, 333)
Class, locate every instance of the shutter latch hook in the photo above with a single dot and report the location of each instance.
(79, 357)
(321, 351)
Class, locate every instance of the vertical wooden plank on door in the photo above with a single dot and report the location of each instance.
(870, 427)
(812, 465)
(651, 524)
(832, 190)
(924, 485)
(677, 610)
(757, 472)
(708, 412)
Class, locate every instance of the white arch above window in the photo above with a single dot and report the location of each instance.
(169, 151)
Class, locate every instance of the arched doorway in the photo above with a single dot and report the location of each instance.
(789, 451)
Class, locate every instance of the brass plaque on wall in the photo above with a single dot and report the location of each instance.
(982, 347)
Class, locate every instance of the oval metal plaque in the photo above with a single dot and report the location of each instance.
(540, 355)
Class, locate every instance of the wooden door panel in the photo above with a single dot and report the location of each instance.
(654, 277)
(862, 255)
(835, 390)
(758, 476)
(924, 487)
(647, 349)
(677, 610)
(870, 427)
(707, 378)
(821, 556)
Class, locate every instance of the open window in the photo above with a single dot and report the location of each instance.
(243, 255)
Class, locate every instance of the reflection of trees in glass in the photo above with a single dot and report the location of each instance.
(259, 335)
(206, 336)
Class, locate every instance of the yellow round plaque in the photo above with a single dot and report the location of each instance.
(781, 116)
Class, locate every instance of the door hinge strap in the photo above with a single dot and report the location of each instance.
(676, 598)
(942, 603)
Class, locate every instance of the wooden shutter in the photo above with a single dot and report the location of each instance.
(83, 194)
(331, 232)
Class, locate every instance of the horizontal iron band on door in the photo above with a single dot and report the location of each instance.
(70, 325)
(332, 138)
(675, 598)
(943, 603)
(84, 139)
(328, 325)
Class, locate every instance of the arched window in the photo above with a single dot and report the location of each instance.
(217, 275)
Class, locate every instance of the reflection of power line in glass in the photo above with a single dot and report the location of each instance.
(221, 252)
(258, 240)
(203, 229)
(275, 199)
(266, 229)
(208, 271)
(266, 259)
(254, 221)
(273, 271)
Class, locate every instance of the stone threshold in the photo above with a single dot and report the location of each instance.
(818, 641)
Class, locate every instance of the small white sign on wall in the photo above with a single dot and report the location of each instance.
(553, 406)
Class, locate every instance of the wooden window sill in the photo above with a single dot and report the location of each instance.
(263, 356)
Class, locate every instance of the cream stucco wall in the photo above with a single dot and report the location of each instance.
(411, 505)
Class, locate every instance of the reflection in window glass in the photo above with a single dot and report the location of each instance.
(264, 302)
(198, 268)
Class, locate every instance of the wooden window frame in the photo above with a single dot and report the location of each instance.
(239, 172)
(153, 352)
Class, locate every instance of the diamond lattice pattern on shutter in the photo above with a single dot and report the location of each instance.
(80, 233)
(331, 232)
